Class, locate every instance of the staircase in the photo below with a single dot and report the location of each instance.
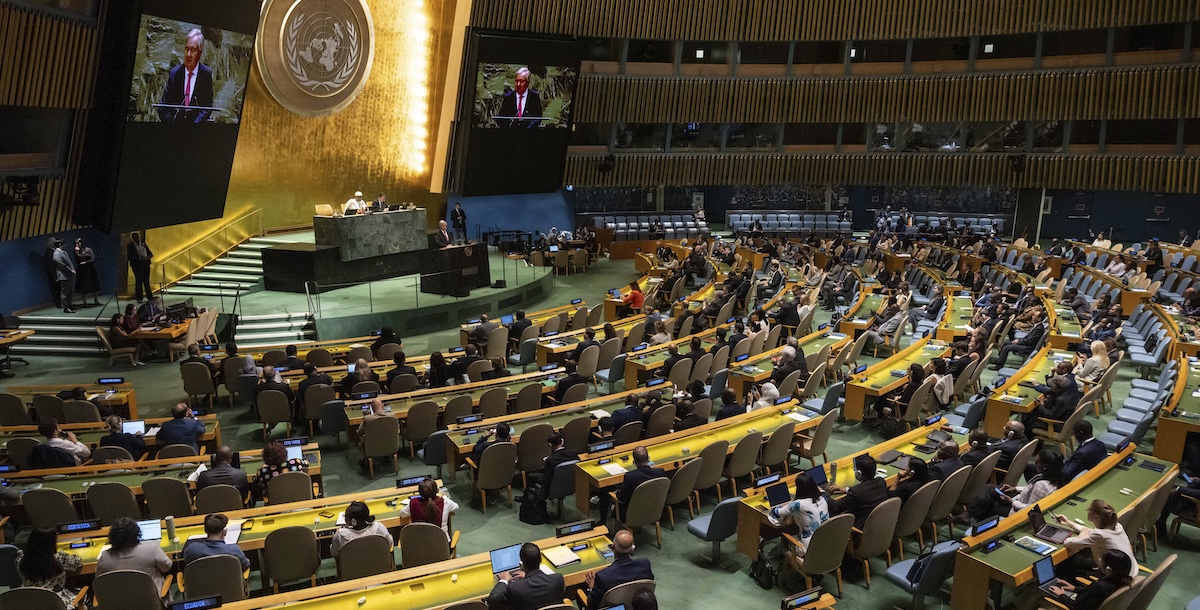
(239, 270)
(59, 334)
(271, 329)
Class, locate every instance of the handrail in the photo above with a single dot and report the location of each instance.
(222, 247)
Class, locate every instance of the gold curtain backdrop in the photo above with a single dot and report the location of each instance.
(285, 163)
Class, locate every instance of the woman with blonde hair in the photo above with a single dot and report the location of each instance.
(1093, 368)
(1106, 534)
(362, 372)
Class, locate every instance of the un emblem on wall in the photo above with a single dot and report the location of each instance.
(315, 55)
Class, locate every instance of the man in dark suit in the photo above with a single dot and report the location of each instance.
(572, 379)
(400, 369)
(194, 356)
(739, 333)
(223, 472)
(789, 362)
(522, 107)
(151, 311)
(947, 461)
(696, 350)
(928, 312)
(441, 238)
(1088, 453)
(520, 323)
(139, 256)
(528, 588)
(631, 412)
(1010, 444)
(459, 368)
(291, 363)
(722, 335)
(674, 357)
(182, 429)
(1024, 346)
(688, 417)
(559, 454)
(589, 339)
(188, 84)
(861, 499)
(458, 218)
(774, 280)
(312, 378)
(643, 471)
(787, 315)
(623, 569)
(729, 405)
(479, 334)
(268, 383)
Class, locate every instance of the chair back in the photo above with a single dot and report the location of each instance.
(628, 433)
(680, 371)
(575, 393)
(948, 493)
(381, 437)
(197, 379)
(231, 368)
(333, 417)
(289, 487)
(167, 496)
(939, 568)
(48, 407)
(745, 455)
(9, 576)
(366, 386)
(980, 475)
(110, 455)
(622, 594)
(532, 449)
(48, 507)
(701, 369)
(713, 457)
(215, 575)
(775, 450)
(496, 466)
(111, 501)
(219, 499)
(422, 420)
(1148, 588)
(562, 481)
(422, 544)
(720, 361)
(703, 408)
(402, 383)
(315, 397)
(457, 407)
(82, 411)
(1064, 435)
(366, 556)
(828, 545)
(528, 398)
(273, 407)
(742, 348)
(1016, 469)
(290, 553)
(26, 598)
(133, 589)
(176, 450)
(319, 356)
(492, 403)
(683, 482)
(1132, 520)
(363, 352)
(588, 361)
(497, 343)
(647, 503)
(723, 522)
(594, 314)
(757, 342)
(551, 325)
(608, 352)
(476, 369)
(913, 512)
(660, 421)
(387, 351)
(856, 349)
(822, 434)
(813, 383)
(635, 336)
(685, 327)
(878, 530)
(575, 434)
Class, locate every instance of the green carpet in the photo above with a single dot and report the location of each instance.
(686, 578)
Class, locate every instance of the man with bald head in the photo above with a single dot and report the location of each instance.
(1011, 443)
(378, 411)
(947, 460)
(223, 472)
(624, 568)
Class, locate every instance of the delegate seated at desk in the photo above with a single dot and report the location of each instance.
(441, 239)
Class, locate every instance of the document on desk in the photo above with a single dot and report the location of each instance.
(152, 432)
(599, 413)
(796, 415)
(613, 468)
(561, 556)
(196, 474)
(233, 531)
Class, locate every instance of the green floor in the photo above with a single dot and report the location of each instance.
(685, 577)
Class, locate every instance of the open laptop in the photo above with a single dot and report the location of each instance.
(137, 426)
(554, 248)
(817, 474)
(151, 529)
(506, 320)
(1043, 571)
(778, 494)
(1044, 530)
(506, 559)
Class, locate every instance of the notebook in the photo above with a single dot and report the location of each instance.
(560, 556)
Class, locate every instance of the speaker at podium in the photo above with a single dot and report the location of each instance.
(455, 270)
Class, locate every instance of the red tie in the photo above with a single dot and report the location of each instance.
(520, 106)
(187, 90)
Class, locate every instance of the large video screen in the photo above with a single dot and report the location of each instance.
(169, 100)
(519, 117)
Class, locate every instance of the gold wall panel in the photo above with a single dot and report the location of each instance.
(1175, 174)
(819, 19)
(1116, 93)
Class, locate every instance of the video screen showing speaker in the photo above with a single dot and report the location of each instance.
(169, 98)
(521, 101)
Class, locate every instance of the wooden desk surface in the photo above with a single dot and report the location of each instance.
(878, 379)
(399, 404)
(164, 332)
(1015, 396)
(90, 433)
(8, 337)
(757, 369)
(555, 349)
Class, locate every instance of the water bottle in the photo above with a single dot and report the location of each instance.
(833, 473)
(170, 519)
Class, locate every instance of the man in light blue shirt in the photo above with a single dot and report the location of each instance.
(214, 542)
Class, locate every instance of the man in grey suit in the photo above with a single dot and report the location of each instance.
(528, 588)
(64, 271)
(223, 473)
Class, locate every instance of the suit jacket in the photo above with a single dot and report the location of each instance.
(859, 501)
(634, 478)
(533, 108)
(625, 415)
(578, 351)
(275, 385)
(945, 468)
(566, 383)
(788, 315)
(1008, 450)
(212, 368)
(313, 380)
(536, 590)
(291, 363)
(458, 218)
(441, 240)
(518, 327)
(975, 456)
(202, 95)
(63, 267)
(131, 254)
(1032, 337)
(559, 456)
(935, 304)
(1090, 453)
(691, 421)
(730, 411)
(479, 334)
(623, 570)
(224, 474)
(132, 443)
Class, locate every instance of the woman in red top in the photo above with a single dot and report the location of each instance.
(632, 301)
(430, 507)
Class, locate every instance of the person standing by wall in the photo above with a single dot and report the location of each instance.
(64, 269)
(139, 256)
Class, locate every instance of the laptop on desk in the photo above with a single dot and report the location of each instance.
(1043, 570)
(506, 559)
(1044, 530)
(778, 494)
(151, 529)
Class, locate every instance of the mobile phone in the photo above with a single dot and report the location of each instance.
(390, 503)
(247, 525)
(327, 514)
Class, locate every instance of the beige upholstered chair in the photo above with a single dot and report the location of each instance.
(215, 575)
(645, 506)
(365, 556)
(825, 550)
(494, 470)
(290, 554)
(167, 496)
(875, 538)
(425, 543)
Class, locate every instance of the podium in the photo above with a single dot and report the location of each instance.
(455, 270)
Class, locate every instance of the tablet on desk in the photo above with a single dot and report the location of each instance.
(137, 426)
(506, 559)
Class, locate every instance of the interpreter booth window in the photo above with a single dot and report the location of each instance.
(810, 134)
(823, 52)
(878, 51)
(651, 51)
(1078, 42)
(600, 49)
(995, 136)
(696, 137)
(1161, 37)
(882, 138)
(1048, 136)
(641, 137)
(941, 49)
(930, 137)
(706, 52)
(591, 134)
(1146, 132)
(1085, 136)
(753, 136)
(763, 52)
(856, 136)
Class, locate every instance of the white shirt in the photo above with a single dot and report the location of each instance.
(346, 534)
(78, 450)
(1100, 540)
(354, 204)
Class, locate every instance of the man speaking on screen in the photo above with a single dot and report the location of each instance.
(188, 84)
(522, 107)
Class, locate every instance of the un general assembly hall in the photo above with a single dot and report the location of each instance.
(599, 304)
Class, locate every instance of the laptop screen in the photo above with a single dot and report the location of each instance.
(151, 529)
(1043, 570)
(506, 320)
(137, 426)
(506, 559)
(817, 474)
(984, 526)
(1036, 519)
(860, 369)
(295, 452)
(554, 248)
(778, 494)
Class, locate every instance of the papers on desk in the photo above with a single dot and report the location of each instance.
(547, 570)
(355, 345)
(102, 549)
(836, 335)
(92, 397)
(341, 520)
(561, 556)
(613, 468)
(152, 432)
(196, 474)
(796, 415)
(233, 532)
(599, 413)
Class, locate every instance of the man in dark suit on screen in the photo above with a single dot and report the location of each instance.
(522, 107)
(188, 84)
